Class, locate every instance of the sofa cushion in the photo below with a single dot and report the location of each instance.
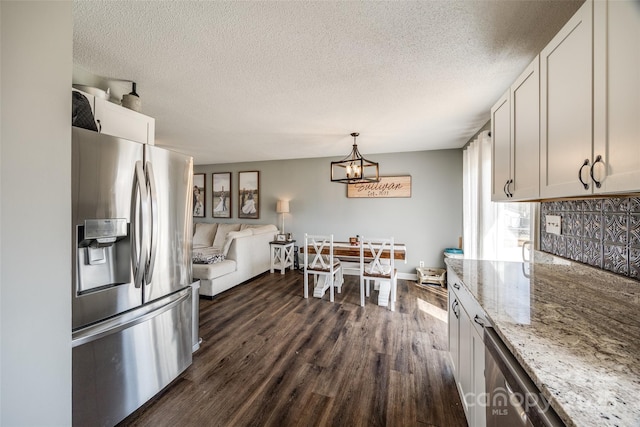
(204, 234)
(261, 229)
(212, 271)
(245, 226)
(232, 235)
(221, 233)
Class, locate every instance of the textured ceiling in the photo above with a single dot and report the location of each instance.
(246, 81)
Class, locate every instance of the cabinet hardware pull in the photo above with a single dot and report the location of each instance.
(457, 286)
(505, 188)
(584, 184)
(478, 320)
(508, 185)
(598, 159)
(99, 126)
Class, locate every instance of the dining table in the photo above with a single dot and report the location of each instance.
(349, 256)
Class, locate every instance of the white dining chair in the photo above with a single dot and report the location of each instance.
(325, 268)
(377, 264)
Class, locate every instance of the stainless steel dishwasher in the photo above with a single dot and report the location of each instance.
(512, 398)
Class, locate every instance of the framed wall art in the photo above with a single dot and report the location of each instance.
(249, 194)
(221, 194)
(199, 194)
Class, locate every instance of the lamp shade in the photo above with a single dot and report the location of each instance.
(282, 206)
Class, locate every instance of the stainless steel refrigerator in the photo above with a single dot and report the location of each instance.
(131, 289)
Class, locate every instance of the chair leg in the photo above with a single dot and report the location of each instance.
(330, 278)
(306, 285)
(384, 292)
(361, 291)
(392, 297)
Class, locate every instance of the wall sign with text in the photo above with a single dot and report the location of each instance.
(388, 186)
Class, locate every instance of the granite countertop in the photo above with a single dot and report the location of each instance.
(574, 329)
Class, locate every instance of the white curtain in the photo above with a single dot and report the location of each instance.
(479, 213)
(491, 230)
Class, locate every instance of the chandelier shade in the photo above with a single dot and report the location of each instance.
(354, 168)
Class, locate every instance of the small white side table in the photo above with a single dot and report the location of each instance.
(281, 255)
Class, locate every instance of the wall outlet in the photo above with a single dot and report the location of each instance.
(421, 264)
(553, 224)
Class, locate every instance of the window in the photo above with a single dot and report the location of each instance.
(491, 230)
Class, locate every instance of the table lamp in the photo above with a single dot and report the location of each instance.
(282, 207)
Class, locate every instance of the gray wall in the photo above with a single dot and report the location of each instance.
(35, 179)
(428, 222)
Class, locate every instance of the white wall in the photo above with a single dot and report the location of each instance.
(428, 222)
(35, 179)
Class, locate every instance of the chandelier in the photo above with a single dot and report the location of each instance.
(354, 168)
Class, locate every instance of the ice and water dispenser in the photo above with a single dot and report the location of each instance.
(104, 254)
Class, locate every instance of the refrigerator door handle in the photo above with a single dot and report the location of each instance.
(127, 320)
(139, 208)
(151, 182)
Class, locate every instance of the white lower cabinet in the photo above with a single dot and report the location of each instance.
(466, 347)
(454, 331)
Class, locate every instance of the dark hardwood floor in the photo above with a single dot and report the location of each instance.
(271, 358)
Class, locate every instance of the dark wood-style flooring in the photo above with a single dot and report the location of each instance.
(271, 358)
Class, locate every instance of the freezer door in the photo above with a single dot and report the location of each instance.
(103, 170)
(170, 185)
(122, 362)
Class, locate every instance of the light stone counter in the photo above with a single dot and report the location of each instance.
(574, 329)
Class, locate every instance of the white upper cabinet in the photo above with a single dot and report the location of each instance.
(515, 133)
(616, 126)
(566, 109)
(590, 103)
(501, 148)
(525, 134)
(113, 119)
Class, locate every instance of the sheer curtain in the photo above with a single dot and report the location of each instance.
(491, 230)
(479, 213)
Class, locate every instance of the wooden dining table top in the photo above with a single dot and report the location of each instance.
(346, 249)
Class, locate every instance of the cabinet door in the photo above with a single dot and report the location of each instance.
(566, 108)
(525, 134)
(118, 121)
(479, 390)
(465, 365)
(617, 96)
(454, 334)
(500, 149)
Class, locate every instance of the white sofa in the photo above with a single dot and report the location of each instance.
(238, 252)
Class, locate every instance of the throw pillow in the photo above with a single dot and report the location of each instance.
(232, 235)
(204, 234)
(221, 233)
(203, 258)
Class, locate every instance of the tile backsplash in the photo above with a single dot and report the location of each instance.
(604, 233)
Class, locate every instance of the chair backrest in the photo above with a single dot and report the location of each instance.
(317, 244)
(377, 256)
